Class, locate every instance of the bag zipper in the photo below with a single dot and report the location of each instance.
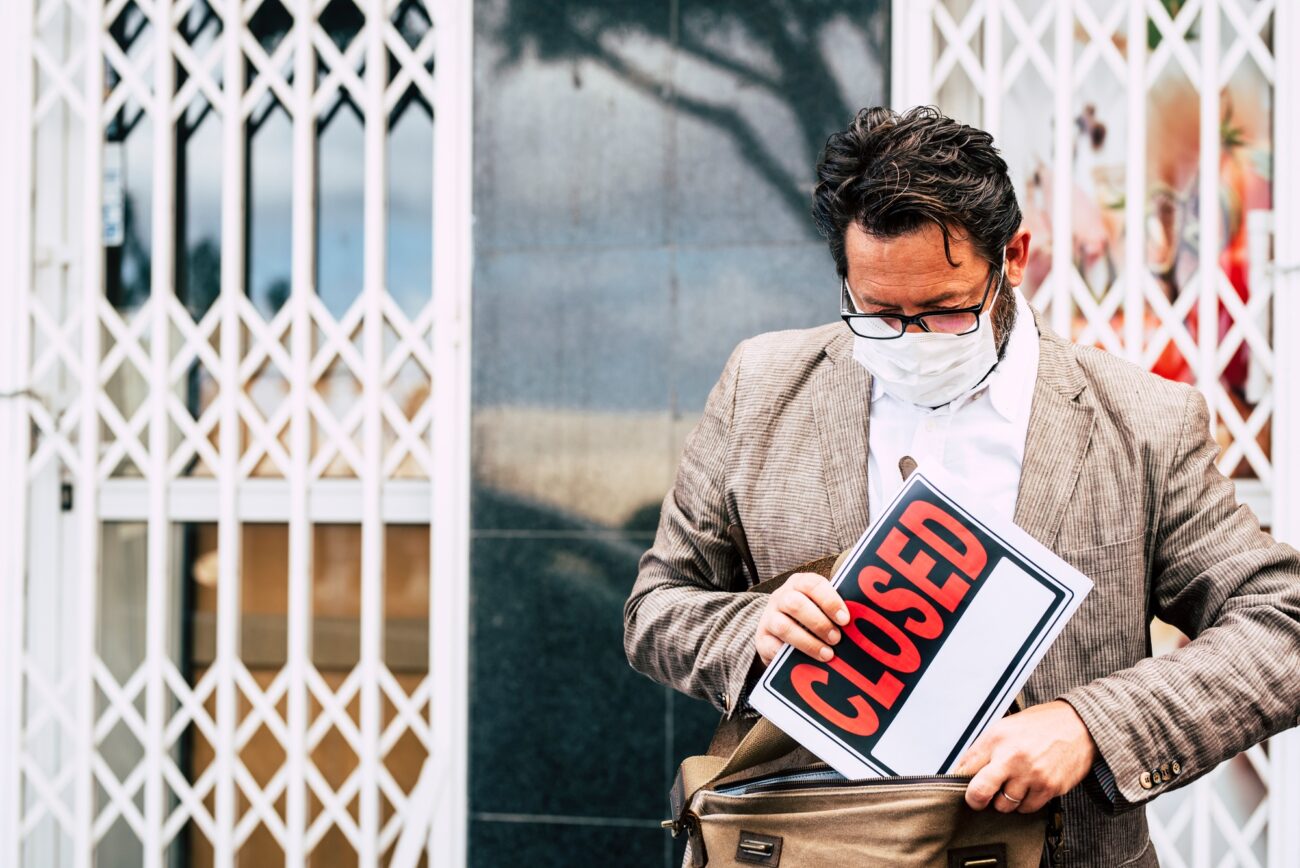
(796, 778)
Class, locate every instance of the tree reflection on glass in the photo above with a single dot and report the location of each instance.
(777, 48)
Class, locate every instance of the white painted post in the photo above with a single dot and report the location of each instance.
(991, 61)
(1286, 274)
(449, 529)
(911, 53)
(15, 287)
(229, 531)
(86, 595)
(1207, 342)
(1284, 749)
(374, 261)
(300, 342)
(1062, 275)
(1136, 277)
(161, 293)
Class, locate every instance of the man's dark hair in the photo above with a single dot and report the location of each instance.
(891, 174)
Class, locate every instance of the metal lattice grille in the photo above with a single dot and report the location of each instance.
(1141, 294)
(182, 394)
(1140, 136)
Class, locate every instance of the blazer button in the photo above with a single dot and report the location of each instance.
(1145, 780)
(1176, 767)
(1155, 776)
(1164, 772)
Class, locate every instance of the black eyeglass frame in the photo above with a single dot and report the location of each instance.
(919, 318)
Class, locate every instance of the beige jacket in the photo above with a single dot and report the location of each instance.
(1118, 478)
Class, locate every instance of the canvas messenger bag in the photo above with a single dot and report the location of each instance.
(734, 812)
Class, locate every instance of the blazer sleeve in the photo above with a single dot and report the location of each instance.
(1235, 591)
(683, 624)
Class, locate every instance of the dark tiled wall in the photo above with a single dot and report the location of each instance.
(642, 172)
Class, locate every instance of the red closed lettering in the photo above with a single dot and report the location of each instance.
(917, 571)
(930, 623)
(885, 691)
(806, 676)
(920, 513)
(904, 659)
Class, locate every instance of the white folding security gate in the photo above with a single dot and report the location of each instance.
(1161, 117)
(179, 424)
(136, 421)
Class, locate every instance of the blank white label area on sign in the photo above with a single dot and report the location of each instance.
(965, 671)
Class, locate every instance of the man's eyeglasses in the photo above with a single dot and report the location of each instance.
(883, 326)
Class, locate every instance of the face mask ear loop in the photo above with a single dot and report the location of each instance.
(1002, 278)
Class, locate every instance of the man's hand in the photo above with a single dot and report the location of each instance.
(1026, 759)
(801, 612)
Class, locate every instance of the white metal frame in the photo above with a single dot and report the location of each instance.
(15, 264)
(449, 609)
(49, 807)
(968, 36)
(1284, 808)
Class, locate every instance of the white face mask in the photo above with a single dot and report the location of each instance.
(929, 368)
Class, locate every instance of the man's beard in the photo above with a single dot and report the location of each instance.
(1004, 315)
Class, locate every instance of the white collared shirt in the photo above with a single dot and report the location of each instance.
(978, 438)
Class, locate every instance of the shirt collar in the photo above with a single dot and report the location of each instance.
(1010, 385)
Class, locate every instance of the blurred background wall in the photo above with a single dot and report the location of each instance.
(642, 181)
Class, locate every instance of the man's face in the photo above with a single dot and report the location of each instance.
(910, 274)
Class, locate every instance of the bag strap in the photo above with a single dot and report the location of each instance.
(824, 566)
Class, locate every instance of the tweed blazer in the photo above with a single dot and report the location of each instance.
(1118, 479)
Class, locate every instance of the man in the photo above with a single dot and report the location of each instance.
(1106, 464)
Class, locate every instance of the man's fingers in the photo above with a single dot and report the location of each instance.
(813, 619)
(975, 758)
(766, 645)
(788, 630)
(819, 590)
(1009, 798)
(1033, 800)
(984, 787)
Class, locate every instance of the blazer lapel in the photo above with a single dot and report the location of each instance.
(1060, 424)
(1059, 427)
(841, 402)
